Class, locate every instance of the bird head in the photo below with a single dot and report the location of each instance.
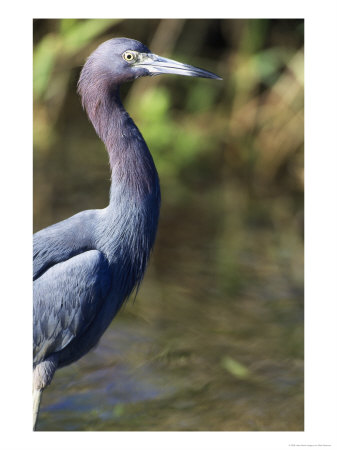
(123, 60)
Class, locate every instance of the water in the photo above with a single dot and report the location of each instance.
(214, 339)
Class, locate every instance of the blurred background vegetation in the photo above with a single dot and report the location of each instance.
(214, 340)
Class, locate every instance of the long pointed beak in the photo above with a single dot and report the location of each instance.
(157, 65)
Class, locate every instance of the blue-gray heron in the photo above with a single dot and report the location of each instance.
(86, 266)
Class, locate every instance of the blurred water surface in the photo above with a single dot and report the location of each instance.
(210, 343)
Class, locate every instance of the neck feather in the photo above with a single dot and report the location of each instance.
(132, 166)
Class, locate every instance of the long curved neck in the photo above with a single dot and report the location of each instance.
(131, 219)
(133, 172)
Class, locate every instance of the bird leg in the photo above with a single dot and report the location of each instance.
(37, 394)
(42, 376)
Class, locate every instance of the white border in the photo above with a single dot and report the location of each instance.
(321, 224)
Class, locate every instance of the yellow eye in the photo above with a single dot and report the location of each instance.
(129, 56)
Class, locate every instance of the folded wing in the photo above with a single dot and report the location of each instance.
(67, 298)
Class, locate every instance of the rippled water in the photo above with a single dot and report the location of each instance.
(214, 340)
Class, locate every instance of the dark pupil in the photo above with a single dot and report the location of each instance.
(128, 56)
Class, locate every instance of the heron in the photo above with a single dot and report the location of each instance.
(86, 266)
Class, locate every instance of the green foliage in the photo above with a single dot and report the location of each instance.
(44, 60)
(257, 109)
(155, 105)
(73, 36)
(76, 34)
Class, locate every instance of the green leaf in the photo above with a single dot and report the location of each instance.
(45, 56)
(235, 368)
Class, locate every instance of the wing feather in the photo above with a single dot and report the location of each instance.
(67, 298)
(63, 240)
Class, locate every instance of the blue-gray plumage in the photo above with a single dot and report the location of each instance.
(86, 266)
